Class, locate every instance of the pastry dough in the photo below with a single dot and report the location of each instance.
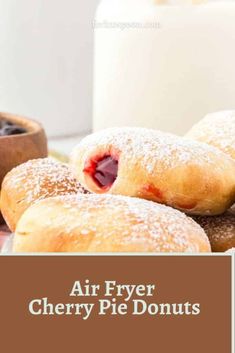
(106, 223)
(220, 230)
(218, 130)
(33, 181)
(185, 174)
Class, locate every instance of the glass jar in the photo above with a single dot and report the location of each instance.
(163, 64)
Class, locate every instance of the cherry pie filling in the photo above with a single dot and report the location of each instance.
(103, 171)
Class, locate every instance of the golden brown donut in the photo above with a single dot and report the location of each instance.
(191, 176)
(106, 223)
(220, 231)
(218, 130)
(33, 181)
(232, 210)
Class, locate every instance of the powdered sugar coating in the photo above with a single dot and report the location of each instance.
(188, 175)
(117, 220)
(150, 146)
(217, 129)
(41, 178)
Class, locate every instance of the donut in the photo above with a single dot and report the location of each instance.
(220, 231)
(185, 174)
(106, 223)
(218, 130)
(33, 181)
(232, 210)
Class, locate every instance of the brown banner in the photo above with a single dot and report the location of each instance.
(177, 304)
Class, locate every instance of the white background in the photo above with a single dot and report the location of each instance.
(46, 54)
(46, 61)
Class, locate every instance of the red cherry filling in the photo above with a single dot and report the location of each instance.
(103, 171)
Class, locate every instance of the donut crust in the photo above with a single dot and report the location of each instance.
(106, 223)
(218, 130)
(220, 231)
(185, 174)
(33, 181)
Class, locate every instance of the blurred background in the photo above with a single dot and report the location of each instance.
(46, 67)
(46, 55)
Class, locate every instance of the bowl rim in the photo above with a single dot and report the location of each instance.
(33, 127)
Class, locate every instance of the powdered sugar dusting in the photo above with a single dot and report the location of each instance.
(126, 221)
(150, 147)
(42, 178)
(217, 129)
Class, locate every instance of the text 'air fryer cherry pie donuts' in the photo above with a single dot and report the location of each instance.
(220, 231)
(106, 223)
(33, 181)
(217, 129)
(185, 174)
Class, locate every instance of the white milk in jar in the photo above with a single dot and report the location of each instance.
(163, 64)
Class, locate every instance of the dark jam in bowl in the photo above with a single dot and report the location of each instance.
(7, 128)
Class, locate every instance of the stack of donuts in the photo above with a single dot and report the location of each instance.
(129, 190)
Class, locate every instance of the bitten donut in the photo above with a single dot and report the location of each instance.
(106, 223)
(220, 230)
(187, 175)
(33, 181)
(218, 130)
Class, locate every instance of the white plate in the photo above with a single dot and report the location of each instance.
(8, 245)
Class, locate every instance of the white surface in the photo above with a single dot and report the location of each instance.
(46, 59)
(168, 77)
(8, 245)
(64, 145)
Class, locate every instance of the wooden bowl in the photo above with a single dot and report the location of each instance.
(17, 149)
